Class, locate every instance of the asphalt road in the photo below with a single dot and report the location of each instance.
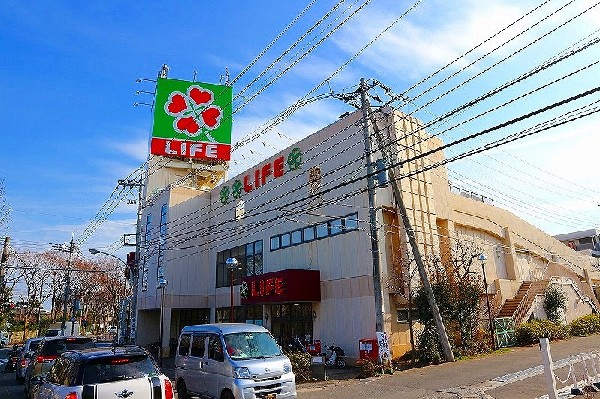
(9, 388)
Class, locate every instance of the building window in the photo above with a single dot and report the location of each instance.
(285, 240)
(250, 263)
(309, 233)
(189, 317)
(222, 314)
(296, 237)
(336, 226)
(275, 243)
(403, 313)
(249, 314)
(351, 222)
(325, 229)
(322, 230)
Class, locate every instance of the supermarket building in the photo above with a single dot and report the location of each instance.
(298, 226)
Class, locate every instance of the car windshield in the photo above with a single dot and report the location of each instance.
(56, 347)
(118, 368)
(249, 345)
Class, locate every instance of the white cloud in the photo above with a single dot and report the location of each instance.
(418, 45)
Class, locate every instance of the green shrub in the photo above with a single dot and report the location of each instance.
(301, 365)
(368, 368)
(531, 332)
(429, 349)
(555, 303)
(585, 325)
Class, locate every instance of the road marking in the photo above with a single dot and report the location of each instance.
(479, 389)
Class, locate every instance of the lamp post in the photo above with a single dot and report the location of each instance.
(162, 283)
(482, 258)
(232, 264)
(122, 323)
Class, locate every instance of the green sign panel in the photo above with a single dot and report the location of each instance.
(192, 120)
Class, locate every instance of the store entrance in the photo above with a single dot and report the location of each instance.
(290, 321)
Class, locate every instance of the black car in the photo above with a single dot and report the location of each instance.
(12, 359)
(27, 353)
(121, 372)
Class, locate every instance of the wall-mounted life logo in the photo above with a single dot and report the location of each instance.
(384, 346)
(192, 120)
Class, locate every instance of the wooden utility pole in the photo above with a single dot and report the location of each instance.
(389, 160)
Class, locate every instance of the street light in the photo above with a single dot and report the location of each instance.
(161, 284)
(232, 264)
(122, 322)
(482, 258)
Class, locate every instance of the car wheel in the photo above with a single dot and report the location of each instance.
(182, 392)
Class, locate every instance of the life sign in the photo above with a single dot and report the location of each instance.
(192, 120)
(288, 285)
(261, 176)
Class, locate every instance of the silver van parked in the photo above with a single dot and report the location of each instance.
(232, 361)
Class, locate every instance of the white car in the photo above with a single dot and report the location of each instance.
(120, 372)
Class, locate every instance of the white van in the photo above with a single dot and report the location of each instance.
(232, 361)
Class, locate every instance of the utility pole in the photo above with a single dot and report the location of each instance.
(135, 272)
(3, 259)
(372, 212)
(67, 284)
(389, 160)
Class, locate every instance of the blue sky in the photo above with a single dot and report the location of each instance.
(70, 130)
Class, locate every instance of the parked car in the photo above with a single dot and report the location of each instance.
(29, 348)
(12, 359)
(49, 350)
(122, 372)
(232, 361)
(4, 338)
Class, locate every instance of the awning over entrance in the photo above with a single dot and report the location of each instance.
(290, 285)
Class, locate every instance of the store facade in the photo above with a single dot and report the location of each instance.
(297, 225)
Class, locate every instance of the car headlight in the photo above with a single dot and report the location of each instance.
(287, 368)
(242, 372)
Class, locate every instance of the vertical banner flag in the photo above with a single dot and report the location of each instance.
(192, 120)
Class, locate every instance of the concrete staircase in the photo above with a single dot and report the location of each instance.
(510, 305)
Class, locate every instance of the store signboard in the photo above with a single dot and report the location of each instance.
(192, 120)
(254, 179)
(290, 285)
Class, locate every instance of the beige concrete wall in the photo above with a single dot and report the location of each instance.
(200, 225)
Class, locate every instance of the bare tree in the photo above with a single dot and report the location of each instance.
(100, 285)
(458, 286)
